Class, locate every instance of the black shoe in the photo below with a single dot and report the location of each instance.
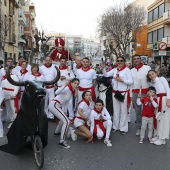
(56, 134)
(123, 132)
(64, 145)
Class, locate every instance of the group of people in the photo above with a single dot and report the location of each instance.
(73, 98)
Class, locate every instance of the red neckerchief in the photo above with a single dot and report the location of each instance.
(88, 68)
(71, 88)
(122, 68)
(87, 102)
(47, 66)
(19, 64)
(23, 72)
(138, 67)
(4, 77)
(98, 112)
(78, 66)
(63, 67)
(38, 75)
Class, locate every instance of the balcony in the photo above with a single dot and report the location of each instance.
(12, 38)
(21, 17)
(166, 18)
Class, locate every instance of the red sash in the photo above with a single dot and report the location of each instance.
(79, 117)
(49, 87)
(92, 91)
(100, 123)
(160, 95)
(138, 90)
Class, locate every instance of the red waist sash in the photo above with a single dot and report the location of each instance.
(7, 89)
(100, 123)
(160, 95)
(49, 87)
(138, 90)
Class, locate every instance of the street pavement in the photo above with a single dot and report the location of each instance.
(125, 154)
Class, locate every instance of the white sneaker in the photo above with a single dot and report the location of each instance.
(73, 135)
(108, 142)
(9, 125)
(160, 142)
(69, 132)
(155, 138)
(138, 132)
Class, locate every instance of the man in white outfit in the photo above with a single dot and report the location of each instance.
(66, 74)
(49, 73)
(140, 85)
(10, 97)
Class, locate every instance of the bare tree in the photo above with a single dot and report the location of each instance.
(121, 23)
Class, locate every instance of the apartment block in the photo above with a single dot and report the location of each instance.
(159, 29)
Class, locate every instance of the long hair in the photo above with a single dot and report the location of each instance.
(147, 76)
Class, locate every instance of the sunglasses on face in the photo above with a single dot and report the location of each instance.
(119, 60)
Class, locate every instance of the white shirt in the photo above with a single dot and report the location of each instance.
(23, 77)
(5, 84)
(161, 86)
(63, 96)
(68, 74)
(124, 74)
(86, 78)
(18, 68)
(85, 109)
(139, 77)
(95, 116)
(37, 78)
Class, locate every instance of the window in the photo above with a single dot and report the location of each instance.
(161, 10)
(149, 37)
(160, 34)
(5, 2)
(155, 36)
(155, 13)
(27, 22)
(150, 17)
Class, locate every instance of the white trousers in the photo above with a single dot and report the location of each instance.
(1, 125)
(55, 109)
(70, 108)
(120, 117)
(10, 109)
(163, 126)
(48, 98)
(108, 126)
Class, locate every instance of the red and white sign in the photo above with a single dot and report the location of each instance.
(162, 46)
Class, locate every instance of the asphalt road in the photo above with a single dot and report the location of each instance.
(125, 154)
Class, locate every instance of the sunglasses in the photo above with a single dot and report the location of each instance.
(119, 60)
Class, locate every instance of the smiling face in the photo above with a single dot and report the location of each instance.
(151, 93)
(24, 65)
(99, 106)
(85, 63)
(62, 62)
(152, 75)
(48, 61)
(60, 48)
(75, 84)
(87, 96)
(120, 62)
(136, 60)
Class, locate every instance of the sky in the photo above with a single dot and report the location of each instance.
(78, 17)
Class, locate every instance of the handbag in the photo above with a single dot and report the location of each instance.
(118, 96)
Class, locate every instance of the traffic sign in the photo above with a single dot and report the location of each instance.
(162, 46)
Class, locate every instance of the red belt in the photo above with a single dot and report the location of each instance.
(92, 91)
(138, 90)
(78, 117)
(160, 95)
(7, 89)
(56, 101)
(49, 87)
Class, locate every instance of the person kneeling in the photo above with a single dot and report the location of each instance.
(101, 123)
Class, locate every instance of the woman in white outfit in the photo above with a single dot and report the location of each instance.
(163, 96)
(63, 96)
(35, 75)
(122, 81)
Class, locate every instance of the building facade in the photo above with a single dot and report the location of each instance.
(159, 30)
